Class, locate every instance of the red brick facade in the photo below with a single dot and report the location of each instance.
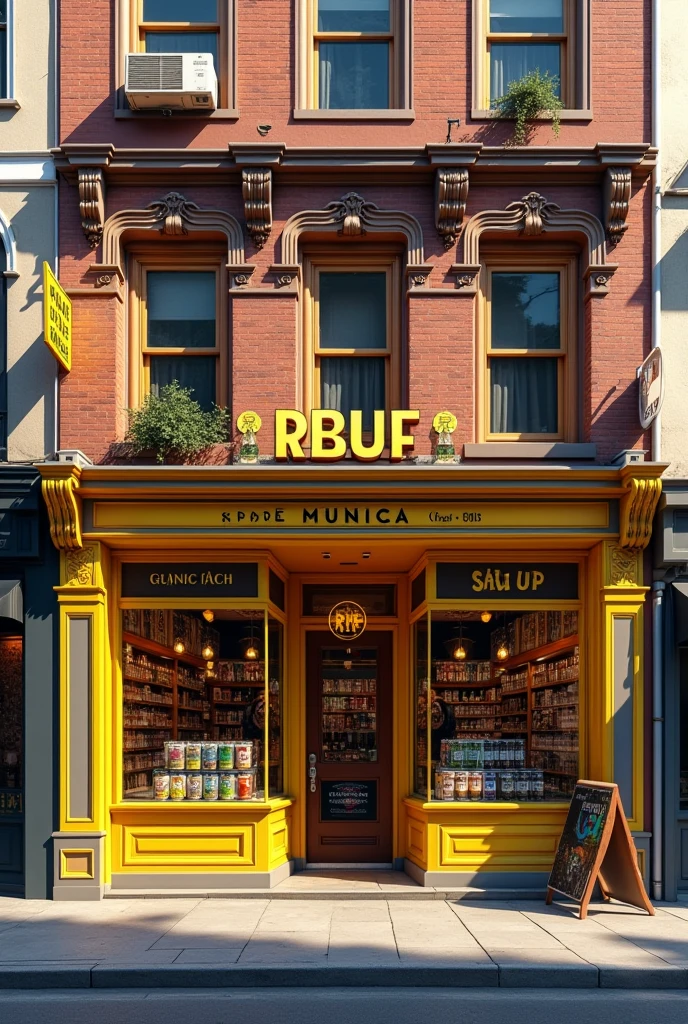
(395, 171)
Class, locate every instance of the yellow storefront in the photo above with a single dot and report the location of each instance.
(503, 650)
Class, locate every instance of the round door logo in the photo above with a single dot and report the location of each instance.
(347, 620)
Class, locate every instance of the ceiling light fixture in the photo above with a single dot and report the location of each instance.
(208, 615)
(486, 616)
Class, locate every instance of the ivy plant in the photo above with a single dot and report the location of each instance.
(527, 99)
(172, 424)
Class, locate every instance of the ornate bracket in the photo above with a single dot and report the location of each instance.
(256, 187)
(60, 484)
(617, 198)
(637, 509)
(92, 203)
(79, 567)
(451, 196)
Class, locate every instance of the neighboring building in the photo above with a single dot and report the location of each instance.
(671, 546)
(343, 238)
(28, 395)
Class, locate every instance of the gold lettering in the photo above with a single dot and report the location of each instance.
(477, 578)
(155, 579)
(489, 583)
(400, 440)
(321, 432)
(522, 580)
(288, 443)
(538, 578)
(367, 453)
(502, 579)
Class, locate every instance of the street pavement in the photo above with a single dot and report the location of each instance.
(247, 943)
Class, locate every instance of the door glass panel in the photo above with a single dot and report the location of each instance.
(348, 694)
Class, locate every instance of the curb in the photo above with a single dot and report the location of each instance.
(169, 976)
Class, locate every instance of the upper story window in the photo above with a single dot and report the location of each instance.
(514, 37)
(4, 55)
(353, 363)
(178, 327)
(180, 26)
(529, 336)
(353, 55)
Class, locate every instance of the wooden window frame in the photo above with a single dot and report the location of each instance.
(576, 72)
(175, 258)
(7, 43)
(370, 261)
(308, 39)
(130, 32)
(563, 261)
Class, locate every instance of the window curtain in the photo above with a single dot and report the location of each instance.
(350, 382)
(509, 62)
(183, 42)
(195, 372)
(354, 76)
(524, 396)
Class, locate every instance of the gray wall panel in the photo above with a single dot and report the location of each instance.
(80, 805)
(623, 710)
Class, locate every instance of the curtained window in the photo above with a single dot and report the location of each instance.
(529, 336)
(524, 36)
(353, 43)
(181, 26)
(181, 336)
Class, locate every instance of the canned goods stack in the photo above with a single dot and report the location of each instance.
(197, 771)
(492, 754)
(489, 785)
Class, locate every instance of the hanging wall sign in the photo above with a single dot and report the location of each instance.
(347, 620)
(651, 388)
(57, 319)
(190, 579)
(549, 581)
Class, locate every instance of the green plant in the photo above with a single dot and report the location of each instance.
(173, 424)
(526, 99)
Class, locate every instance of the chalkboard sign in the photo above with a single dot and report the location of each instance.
(596, 846)
(348, 801)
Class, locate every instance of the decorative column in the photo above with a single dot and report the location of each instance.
(85, 734)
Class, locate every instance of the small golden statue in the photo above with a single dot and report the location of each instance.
(445, 425)
(248, 424)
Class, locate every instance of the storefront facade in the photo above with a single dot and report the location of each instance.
(145, 553)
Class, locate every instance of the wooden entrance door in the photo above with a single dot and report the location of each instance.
(349, 744)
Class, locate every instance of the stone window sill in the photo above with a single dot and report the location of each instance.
(560, 450)
(355, 115)
(578, 114)
(9, 104)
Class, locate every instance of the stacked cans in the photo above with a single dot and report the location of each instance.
(218, 770)
(488, 785)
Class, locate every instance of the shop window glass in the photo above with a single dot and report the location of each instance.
(497, 705)
(181, 336)
(524, 37)
(353, 48)
(201, 705)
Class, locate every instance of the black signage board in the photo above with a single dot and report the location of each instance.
(190, 579)
(504, 581)
(596, 846)
(348, 801)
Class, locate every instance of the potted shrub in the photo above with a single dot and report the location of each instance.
(533, 96)
(172, 427)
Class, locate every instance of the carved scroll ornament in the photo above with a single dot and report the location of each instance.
(92, 203)
(451, 196)
(617, 198)
(637, 509)
(59, 494)
(256, 187)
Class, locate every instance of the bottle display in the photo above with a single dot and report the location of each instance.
(348, 708)
(503, 727)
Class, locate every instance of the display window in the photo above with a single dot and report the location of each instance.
(201, 705)
(497, 696)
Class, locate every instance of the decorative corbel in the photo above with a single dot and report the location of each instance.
(466, 277)
(617, 198)
(256, 186)
(637, 506)
(451, 196)
(60, 484)
(92, 203)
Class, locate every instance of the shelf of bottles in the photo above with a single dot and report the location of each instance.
(348, 707)
(513, 720)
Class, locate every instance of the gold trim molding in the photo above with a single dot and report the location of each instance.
(60, 484)
(637, 507)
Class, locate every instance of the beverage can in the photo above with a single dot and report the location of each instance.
(225, 756)
(209, 756)
(507, 785)
(522, 786)
(193, 757)
(210, 786)
(194, 786)
(244, 785)
(174, 754)
(461, 785)
(161, 784)
(447, 785)
(228, 786)
(490, 786)
(177, 786)
(243, 754)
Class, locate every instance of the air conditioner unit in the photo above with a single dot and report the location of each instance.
(170, 81)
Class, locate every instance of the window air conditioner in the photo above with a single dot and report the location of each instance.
(170, 81)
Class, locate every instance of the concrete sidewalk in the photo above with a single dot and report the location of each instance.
(242, 943)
